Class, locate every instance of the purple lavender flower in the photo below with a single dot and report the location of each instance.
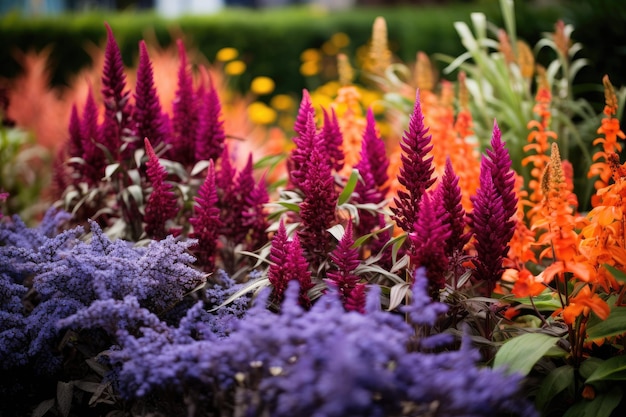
(162, 204)
(206, 222)
(428, 241)
(185, 119)
(148, 116)
(346, 259)
(211, 136)
(332, 140)
(317, 210)
(116, 127)
(416, 173)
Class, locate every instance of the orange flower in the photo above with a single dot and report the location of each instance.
(527, 285)
(582, 304)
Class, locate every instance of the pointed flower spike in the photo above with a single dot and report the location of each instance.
(455, 214)
(304, 113)
(499, 163)
(416, 171)
(346, 259)
(206, 222)
(148, 114)
(375, 152)
(332, 140)
(379, 54)
(185, 116)
(162, 204)
(211, 135)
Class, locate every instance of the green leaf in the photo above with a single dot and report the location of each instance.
(614, 325)
(601, 406)
(613, 369)
(110, 170)
(337, 231)
(43, 408)
(616, 273)
(521, 353)
(398, 294)
(65, 391)
(553, 384)
(290, 206)
(349, 188)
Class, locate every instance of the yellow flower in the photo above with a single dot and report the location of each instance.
(260, 113)
(309, 68)
(310, 54)
(235, 68)
(226, 54)
(330, 49)
(282, 102)
(262, 85)
(340, 40)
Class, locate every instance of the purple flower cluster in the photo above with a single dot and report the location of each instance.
(322, 362)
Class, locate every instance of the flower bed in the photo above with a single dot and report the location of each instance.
(441, 268)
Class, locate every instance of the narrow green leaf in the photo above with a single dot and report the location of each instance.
(43, 408)
(349, 188)
(251, 286)
(397, 295)
(65, 391)
(199, 167)
(290, 206)
(616, 273)
(110, 170)
(337, 231)
(553, 384)
(521, 353)
(614, 325)
(612, 369)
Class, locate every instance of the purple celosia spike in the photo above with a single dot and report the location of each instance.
(304, 112)
(185, 119)
(211, 136)
(237, 230)
(206, 222)
(332, 140)
(299, 160)
(162, 204)
(117, 121)
(288, 263)
(416, 172)
(225, 176)
(375, 151)
(428, 241)
(148, 116)
(346, 259)
(317, 210)
(455, 213)
(298, 269)
(492, 230)
(499, 163)
(94, 161)
(254, 217)
(75, 145)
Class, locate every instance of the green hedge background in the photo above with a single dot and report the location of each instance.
(271, 40)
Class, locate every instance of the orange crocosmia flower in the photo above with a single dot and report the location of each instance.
(581, 270)
(584, 302)
(527, 285)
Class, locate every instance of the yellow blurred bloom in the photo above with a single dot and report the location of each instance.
(310, 54)
(340, 40)
(321, 100)
(262, 85)
(282, 102)
(226, 54)
(309, 68)
(261, 113)
(330, 49)
(235, 68)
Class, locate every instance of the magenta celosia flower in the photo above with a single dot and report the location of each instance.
(162, 204)
(307, 139)
(416, 172)
(375, 151)
(225, 176)
(455, 213)
(317, 210)
(254, 216)
(206, 222)
(74, 144)
(304, 112)
(346, 259)
(332, 140)
(92, 170)
(492, 231)
(185, 118)
(117, 121)
(428, 241)
(288, 263)
(499, 163)
(148, 116)
(210, 131)
(235, 204)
